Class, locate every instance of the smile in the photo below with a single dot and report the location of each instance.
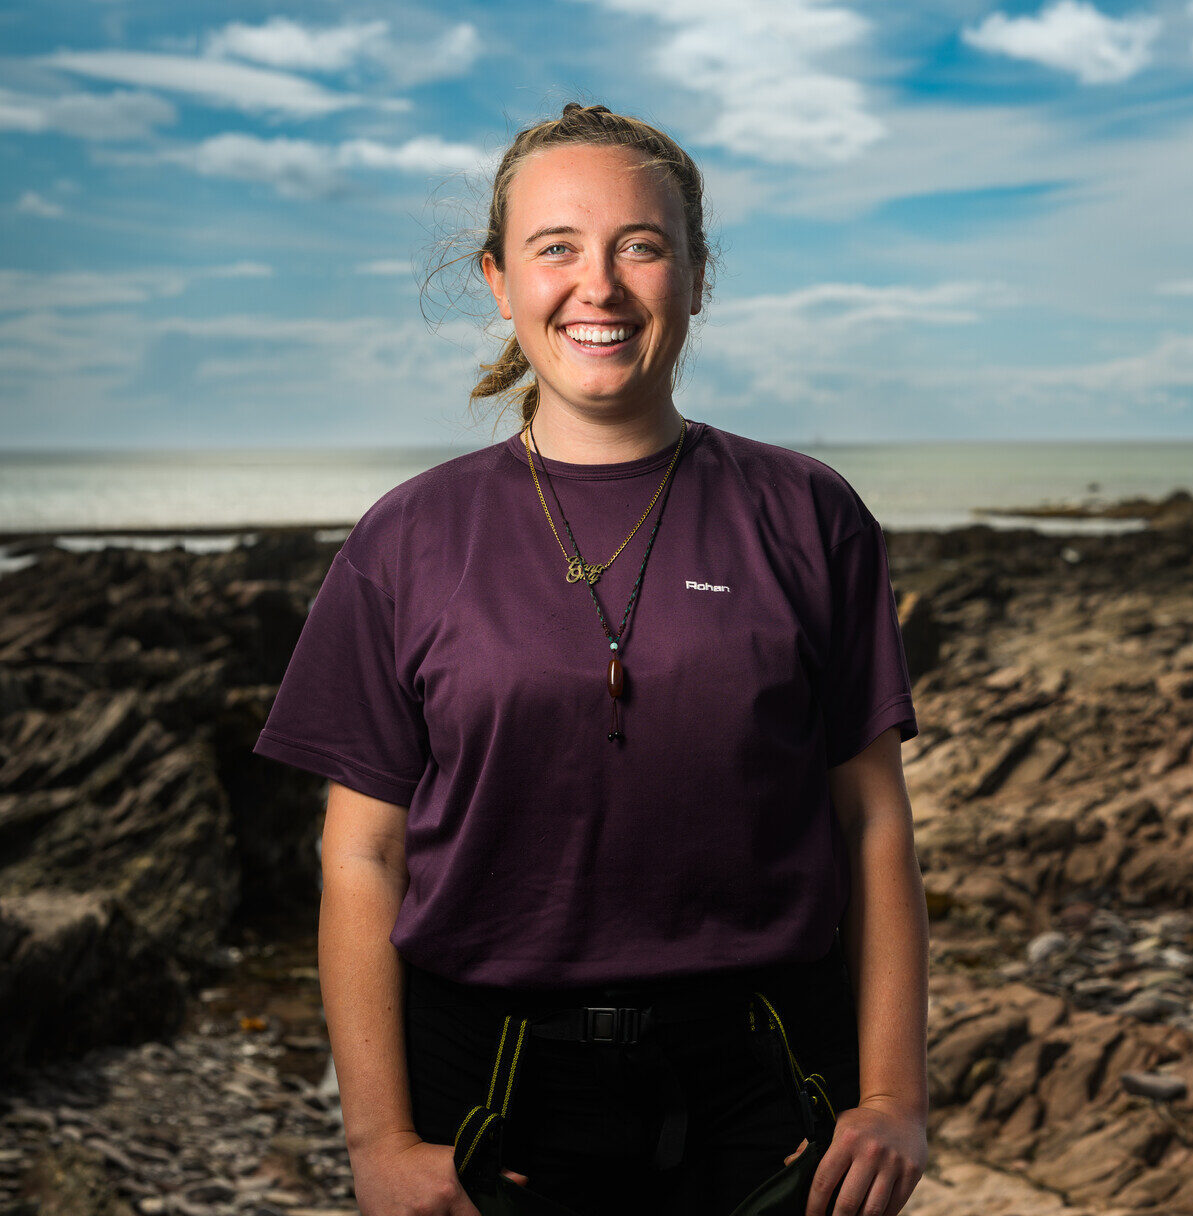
(601, 340)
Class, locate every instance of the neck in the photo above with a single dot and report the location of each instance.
(563, 435)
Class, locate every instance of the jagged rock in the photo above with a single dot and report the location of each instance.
(75, 971)
(124, 744)
(921, 633)
(1051, 783)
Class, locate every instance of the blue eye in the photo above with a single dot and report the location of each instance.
(550, 247)
(645, 245)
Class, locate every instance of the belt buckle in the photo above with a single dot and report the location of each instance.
(606, 1024)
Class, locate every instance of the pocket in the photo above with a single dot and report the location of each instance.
(449, 1057)
(821, 1026)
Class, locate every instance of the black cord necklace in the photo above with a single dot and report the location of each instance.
(615, 682)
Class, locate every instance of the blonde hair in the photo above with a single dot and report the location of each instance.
(579, 124)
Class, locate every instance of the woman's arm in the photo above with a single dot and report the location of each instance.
(361, 976)
(880, 1147)
(364, 881)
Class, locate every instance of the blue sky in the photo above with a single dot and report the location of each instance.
(937, 220)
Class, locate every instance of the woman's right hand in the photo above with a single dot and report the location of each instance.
(403, 1175)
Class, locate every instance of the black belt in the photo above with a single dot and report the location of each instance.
(625, 1026)
(478, 1140)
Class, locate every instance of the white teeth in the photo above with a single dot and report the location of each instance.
(599, 336)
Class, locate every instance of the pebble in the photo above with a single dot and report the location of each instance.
(1040, 949)
(203, 1126)
(1152, 1006)
(1159, 1086)
(1131, 966)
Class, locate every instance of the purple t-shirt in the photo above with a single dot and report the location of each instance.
(448, 666)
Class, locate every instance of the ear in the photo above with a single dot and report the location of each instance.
(698, 289)
(496, 280)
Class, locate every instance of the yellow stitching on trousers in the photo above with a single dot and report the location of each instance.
(514, 1066)
(497, 1063)
(779, 1021)
(475, 1141)
(464, 1124)
(814, 1078)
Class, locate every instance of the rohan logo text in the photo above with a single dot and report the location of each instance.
(691, 586)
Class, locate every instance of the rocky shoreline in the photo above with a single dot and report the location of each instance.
(164, 1050)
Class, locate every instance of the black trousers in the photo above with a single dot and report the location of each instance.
(585, 1120)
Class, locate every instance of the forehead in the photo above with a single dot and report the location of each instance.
(578, 182)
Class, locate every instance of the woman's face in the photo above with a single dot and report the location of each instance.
(596, 248)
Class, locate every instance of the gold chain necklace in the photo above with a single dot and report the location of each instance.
(615, 683)
(577, 568)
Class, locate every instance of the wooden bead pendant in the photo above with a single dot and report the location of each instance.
(615, 683)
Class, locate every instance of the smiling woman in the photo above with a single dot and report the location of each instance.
(663, 925)
(595, 271)
(665, 234)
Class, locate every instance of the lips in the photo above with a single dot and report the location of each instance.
(591, 338)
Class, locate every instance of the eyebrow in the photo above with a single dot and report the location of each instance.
(636, 226)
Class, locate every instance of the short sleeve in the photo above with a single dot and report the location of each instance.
(865, 688)
(341, 710)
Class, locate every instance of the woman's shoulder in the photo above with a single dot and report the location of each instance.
(799, 481)
(427, 497)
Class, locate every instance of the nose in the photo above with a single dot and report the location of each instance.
(599, 285)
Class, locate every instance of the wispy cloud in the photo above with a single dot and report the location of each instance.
(28, 291)
(1074, 37)
(757, 64)
(217, 82)
(778, 341)
(282, 42)
(32, 203)
(300, 168)
(384, 266)
(241, 270)
(117, 115)
(399, 375)
(446, 56)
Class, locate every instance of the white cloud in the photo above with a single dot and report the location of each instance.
(1072, 36)
(449, 55)
(32, 203)
(283, 43)
(755, 64)
(938, 149)
(1175, 287)
(859, 359)
(260, 375)
(99, 116)
(300, 168)
(75, 354)
(27, 291)
(296, 168)
(1126, 197)
(384, 266)
(234, 85)
(423, 154)
(1146, 378)
(775, 342)
(241, 270)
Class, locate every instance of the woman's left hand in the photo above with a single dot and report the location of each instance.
(880, 1149)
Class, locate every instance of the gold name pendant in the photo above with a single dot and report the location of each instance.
(578, 570)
